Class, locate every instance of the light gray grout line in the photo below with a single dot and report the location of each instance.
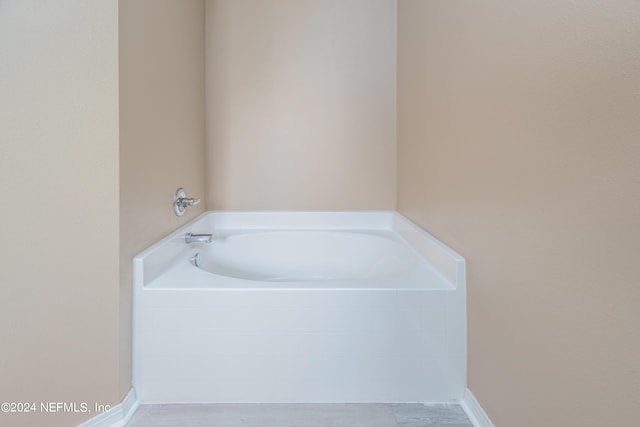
(393, 409)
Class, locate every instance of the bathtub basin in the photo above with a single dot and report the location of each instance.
(298, 256)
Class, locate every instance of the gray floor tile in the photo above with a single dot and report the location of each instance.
(431, 415)
(300, 415)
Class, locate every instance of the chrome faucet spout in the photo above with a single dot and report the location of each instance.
(198, 238)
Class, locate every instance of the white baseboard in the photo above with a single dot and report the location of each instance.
(118, 415)
(474, 411)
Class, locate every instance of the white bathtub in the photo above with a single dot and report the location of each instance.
(300, 307)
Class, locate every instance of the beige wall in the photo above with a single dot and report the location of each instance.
(519, 145)
(59, 215)
(301, 104)
(161, 131)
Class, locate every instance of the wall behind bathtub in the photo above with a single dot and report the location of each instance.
(59, 213)
(161, 131)
(519, 145)
(301, 104)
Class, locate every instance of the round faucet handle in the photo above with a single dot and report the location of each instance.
(181, 202)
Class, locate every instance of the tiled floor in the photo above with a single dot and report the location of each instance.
(301, 415)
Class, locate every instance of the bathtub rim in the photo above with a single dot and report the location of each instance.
(445, 260)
